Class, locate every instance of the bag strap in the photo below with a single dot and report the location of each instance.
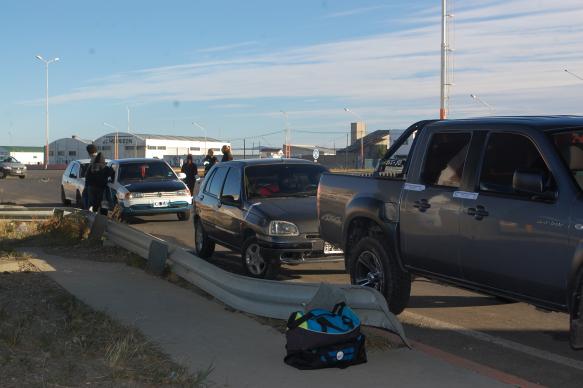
(326, 324)
(292, 322)
(338, 308)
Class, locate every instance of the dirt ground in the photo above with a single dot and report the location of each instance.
(49, 338)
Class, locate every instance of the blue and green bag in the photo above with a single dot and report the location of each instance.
(325, 339)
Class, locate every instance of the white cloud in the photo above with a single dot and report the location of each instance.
(354, 11)
(507, 51)
(227, 47)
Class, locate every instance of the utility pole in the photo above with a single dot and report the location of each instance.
(444, 87)
(244, 150)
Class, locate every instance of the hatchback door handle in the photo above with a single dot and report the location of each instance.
(422, 205)
(479, 212)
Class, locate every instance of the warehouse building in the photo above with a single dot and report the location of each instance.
(25, 155)
(173, 149)
(62, 151)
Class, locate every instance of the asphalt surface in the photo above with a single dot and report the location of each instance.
(514, 338)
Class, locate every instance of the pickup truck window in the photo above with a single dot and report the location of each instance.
(216, 183)
(569, 144)
(233, 184)
(445, 160)
(394, 165)
(505, 154)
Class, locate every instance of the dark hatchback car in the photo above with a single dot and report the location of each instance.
(265, 209)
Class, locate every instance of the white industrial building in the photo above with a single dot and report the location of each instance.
(173, 149)
(25, 155)
(62, 151)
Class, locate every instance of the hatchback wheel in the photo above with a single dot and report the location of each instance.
(203, 245)
(256, 263)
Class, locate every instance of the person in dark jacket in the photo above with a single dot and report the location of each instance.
(209, 160)
(227, 155)
(191, 171)
(92, 151)
(96, 178)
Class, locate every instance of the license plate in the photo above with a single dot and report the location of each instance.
(160, 204)
(18, 171)
(330, 249)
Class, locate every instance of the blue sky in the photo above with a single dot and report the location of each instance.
(233, 66)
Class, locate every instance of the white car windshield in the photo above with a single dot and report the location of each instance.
(145, 171)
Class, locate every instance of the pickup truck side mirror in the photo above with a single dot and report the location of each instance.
(229, 200)
(532, 183)
(181, 176)
(71, 175)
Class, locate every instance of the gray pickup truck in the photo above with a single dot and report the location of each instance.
(490, 204)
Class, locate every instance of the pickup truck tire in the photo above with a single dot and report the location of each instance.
(255, 263)
(372, 266)
(203, 245)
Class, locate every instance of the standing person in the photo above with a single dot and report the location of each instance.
(191, 171)
(227, 155)
(209, 160)
(96, 179)
(92, 151)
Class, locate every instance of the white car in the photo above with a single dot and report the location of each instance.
(73, 182)
(147, 187)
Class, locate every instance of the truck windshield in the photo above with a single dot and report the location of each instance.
(569, 144)
(282, 180)
(148, 171)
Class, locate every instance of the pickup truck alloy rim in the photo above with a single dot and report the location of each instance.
(369, 271)
(254, 259)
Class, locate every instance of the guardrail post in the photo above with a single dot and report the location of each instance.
(98, 228)
(59, 213)
(157, 255)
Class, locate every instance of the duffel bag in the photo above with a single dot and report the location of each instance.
(324, 339)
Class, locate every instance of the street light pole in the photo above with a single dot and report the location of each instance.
(46, 62)
(287, 135)
(573, 74)
(479, 100)
(115, 150)
(362, 137)
(204, 130)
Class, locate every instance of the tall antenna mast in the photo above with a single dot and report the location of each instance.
(444, 51)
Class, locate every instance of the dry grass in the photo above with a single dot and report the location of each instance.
(49, 338)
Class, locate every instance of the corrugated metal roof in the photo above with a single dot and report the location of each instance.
(22, 149)
(171, 137)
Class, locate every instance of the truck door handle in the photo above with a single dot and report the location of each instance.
(478, 213)
(422, 205)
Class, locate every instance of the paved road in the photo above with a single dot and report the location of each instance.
(511, 337)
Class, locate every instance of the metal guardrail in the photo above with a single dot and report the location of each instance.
(267, 298)
(20, 213)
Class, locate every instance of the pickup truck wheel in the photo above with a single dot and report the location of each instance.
(372, 266)
(203, 245)
(256, 263)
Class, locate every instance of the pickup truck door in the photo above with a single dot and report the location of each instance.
(230, 214)
(513, 242)
(208, 203)
(430, 212)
